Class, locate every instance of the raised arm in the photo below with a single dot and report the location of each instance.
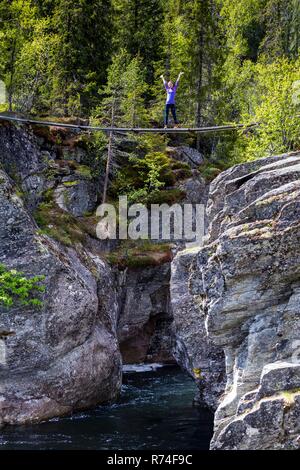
(164, 81)
(178, 78)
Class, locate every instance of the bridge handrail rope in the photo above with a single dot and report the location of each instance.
(138, 130)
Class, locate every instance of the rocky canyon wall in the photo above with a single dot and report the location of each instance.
(63, 356)
(228, 312)
(145, 318)
(246, 281)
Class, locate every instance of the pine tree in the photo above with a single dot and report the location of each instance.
(85, 32)
(135, 87)
(192, 45)
(112, 94)
(123, 96)
(34, 71)
(138, 26)
(295, 28)
(277, 17)
(204, 52)
(17, 23)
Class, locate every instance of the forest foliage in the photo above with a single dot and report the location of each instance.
(102, 59)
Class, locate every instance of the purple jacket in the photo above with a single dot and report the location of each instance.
(171, 92)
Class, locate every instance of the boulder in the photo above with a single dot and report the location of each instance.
(195, 189)
(186, 154)
(63, 356)
(76, 195)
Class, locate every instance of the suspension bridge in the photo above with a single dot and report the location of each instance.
(124, 130)
(137, 130)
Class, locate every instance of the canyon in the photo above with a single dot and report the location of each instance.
(227, 312)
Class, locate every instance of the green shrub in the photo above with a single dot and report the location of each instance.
(164, 196)
(210, 171)
(143, 176)
(16, 287)
(131, 261)
(84, 170)
(178, 165)
(152, 142)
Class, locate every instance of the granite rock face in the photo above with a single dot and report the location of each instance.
(76, 195)
(144, 327)
(247, 280)
(186, 154)
(21, 158)
(36, 164)
(195, 189)
(63, 356)
(192, 348)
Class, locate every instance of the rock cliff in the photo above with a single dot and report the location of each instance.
(247, 280)
(193, 349)
(229, 309)
(66, 355)
(63, 356)
(144, 327)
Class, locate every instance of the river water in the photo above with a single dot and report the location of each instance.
(155, 411)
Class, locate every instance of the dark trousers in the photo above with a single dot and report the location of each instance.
(172, 108)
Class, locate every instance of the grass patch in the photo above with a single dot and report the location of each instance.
(166, 196)
(84, 171)
(58, 224)
(139, 254)
(209, 171)
(70, 183)
(181, 170)
(88, 224)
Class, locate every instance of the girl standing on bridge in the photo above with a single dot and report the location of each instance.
(170, 101)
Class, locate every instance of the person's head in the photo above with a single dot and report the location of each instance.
(170, 84)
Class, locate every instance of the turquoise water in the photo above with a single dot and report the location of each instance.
(155, 411)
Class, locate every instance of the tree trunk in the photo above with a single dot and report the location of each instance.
(11, 77)
(109, 155)
(199, 84)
